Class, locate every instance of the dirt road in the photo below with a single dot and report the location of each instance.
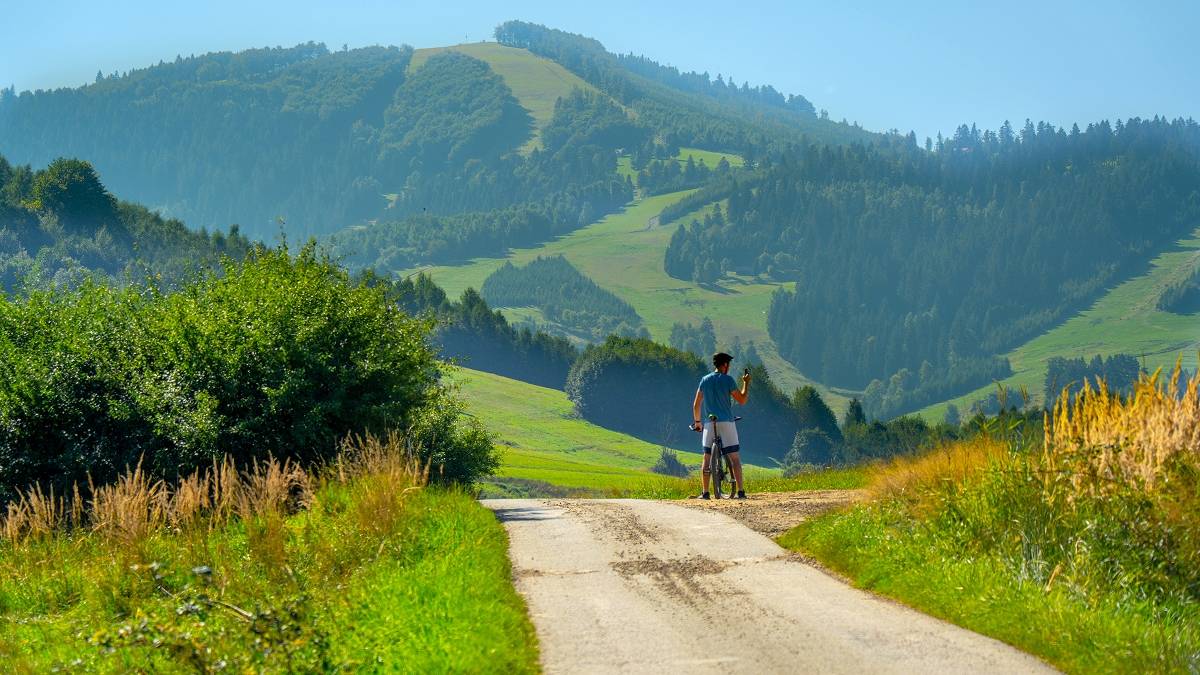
(647, 586)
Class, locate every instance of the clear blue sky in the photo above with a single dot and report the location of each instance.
(922, 66)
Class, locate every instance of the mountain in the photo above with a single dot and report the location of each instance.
(322, 139)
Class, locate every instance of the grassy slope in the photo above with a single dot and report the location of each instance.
(1125, 320)
(624, 254)
(541, 439)
(536, 82)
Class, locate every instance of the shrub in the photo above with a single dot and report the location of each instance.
(668, 464)
(276, 356)
(811, 447)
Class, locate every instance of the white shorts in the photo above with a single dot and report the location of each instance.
(728, 433)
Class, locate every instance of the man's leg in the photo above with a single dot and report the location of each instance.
(736, 461)
(705, 468)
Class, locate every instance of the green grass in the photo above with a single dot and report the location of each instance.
(1124, 320)
(623, 253)
(541, 439)
(882, 550)
(710, 158)
(431, 594)
(536, 82)
(546, 449)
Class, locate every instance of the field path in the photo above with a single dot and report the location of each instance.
(628, 586)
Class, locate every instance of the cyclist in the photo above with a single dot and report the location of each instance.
(712, 398)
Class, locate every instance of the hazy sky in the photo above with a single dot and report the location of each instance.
(923, 66)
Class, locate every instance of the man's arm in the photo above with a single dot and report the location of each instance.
(742, 395)
(696, 407)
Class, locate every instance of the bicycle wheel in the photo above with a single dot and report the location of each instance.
(728, 474)
(718, 469)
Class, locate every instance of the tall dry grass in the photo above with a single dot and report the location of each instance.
(910, 477)
(136, 506)
(1102, 442)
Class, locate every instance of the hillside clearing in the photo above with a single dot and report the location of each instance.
(535, 81)
(1125, 320)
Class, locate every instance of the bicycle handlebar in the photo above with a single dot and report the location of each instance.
(693, 428)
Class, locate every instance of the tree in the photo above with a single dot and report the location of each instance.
(812, 412)
(70, 190)
(811, 447)
(854, 415)
(952, 417)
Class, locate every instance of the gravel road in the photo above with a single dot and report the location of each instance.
(645, 586)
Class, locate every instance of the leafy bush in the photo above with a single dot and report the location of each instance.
(276, 356)
(811, 448)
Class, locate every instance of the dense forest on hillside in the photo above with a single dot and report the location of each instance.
(923, 264)
(61, 225)
(568, 183)
(322, 139)
(565, 296)
(265, 133)
(472, 334)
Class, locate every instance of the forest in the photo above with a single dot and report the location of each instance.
(60, 226)
(1183, 296)
(924, 265)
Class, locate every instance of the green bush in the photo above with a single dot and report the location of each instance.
(279, 355)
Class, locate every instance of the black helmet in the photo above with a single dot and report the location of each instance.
(721, 358)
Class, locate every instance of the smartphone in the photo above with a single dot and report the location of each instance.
(745, 371)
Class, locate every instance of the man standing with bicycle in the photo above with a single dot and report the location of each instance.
(713, 398)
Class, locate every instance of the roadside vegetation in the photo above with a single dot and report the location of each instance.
(1077, 540)
(355, 565)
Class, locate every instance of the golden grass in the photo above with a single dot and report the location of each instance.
(1103, 442)
(910, 477)
(136, 506)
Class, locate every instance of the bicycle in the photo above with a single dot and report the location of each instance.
(720, 468)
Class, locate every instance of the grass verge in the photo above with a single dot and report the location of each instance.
(359, 567)
(1080, 546)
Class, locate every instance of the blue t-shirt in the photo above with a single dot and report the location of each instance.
(717, 387)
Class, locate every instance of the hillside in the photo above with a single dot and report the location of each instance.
(623, 254)
(320, 140)
(916, 270)
(541, 439)
(1125, 320)
(546, 450)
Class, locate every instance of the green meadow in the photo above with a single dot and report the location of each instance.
(536, 82)
(1124, 320)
